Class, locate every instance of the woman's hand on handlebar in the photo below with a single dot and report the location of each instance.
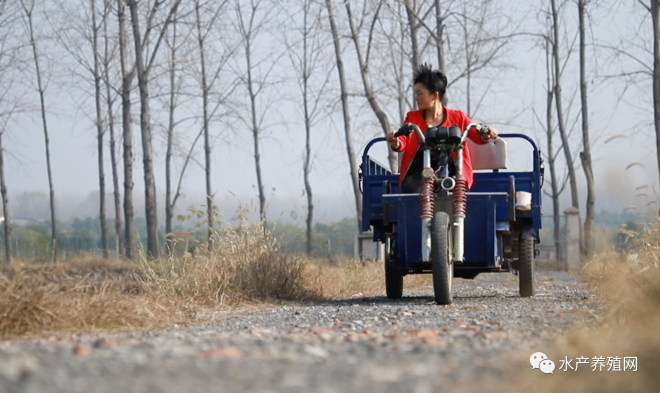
(392, 140)
(488, 134)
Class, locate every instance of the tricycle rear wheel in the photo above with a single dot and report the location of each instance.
(441, 263)
(393, 278)
(526, 267)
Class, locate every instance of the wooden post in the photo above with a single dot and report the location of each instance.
(572, 239)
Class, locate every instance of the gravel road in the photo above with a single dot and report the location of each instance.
(363, 344)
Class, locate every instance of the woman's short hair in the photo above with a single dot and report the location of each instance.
(434, 81)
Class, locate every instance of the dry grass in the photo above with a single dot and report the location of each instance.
(630, 287)
(79, 295)
(246, 269)
(244, 263)
(345, 278)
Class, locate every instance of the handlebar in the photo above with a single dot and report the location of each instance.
(409, 128)
(482, 129)
(537, 160)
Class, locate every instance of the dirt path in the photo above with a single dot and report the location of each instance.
(358, 345)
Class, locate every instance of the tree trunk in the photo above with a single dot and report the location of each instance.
(306, 173)
(42, 102)
(116, 194)
(439, 36)
(346, 113)
(146, 136)
(560, 109)
(411, 12)
(143, 64)
(585, 155)
(5, 205)
(307, 166)
(655, 17)
(127, 134)
(99, 132)
(413, 23)
(554, 186)
(551, 155)
(207, 138)
(111, 127)
(255, 139)
(468, 59)
(169, 204)
(363, 62)
(247, 36)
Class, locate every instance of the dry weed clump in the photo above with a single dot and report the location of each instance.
(346, 278)
(244, 262)
(629, 285)
(73, 294)
(244, 265)
(21, 310)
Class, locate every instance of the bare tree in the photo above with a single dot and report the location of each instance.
(305, 64)
(363, 55)
(93, 55)
(250, 23)
(412, 13)
(440, 35)
(396, 35)
(655, 17)
(558, 181)
(551, 153)
(417, 20)
(653, 7)
(28, 9)
(485, 35)
(8, 107)
(348, 135)
(211, 60)
(143, 67)
(201, 40)
(405, 43)
(170, 200)
(585, 155)
(6, 216)
(109, 101)
(127, 76)
(559, 108)
(100, 128)
(208, 77)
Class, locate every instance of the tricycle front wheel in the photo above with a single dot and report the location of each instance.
(441, 263)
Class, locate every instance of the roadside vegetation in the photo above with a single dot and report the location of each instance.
(629, 283)
(249, 271)
(627, 280)
(79, 237)
(246, 269)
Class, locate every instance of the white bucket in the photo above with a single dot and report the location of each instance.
(523, 201)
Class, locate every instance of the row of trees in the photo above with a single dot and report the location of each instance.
(82, 237)
(172, 67)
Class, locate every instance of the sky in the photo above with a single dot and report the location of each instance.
(623, 165)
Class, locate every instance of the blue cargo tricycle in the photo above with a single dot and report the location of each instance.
(445, 229)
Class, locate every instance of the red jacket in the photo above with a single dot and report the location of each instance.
(409, 144)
